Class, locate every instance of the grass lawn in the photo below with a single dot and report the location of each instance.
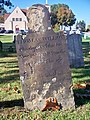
(7, 42)
(11, 102)
(6, 38)
(86, 40)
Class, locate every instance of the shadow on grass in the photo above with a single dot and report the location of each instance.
(86, 53)
(9, 72)
(81, 76)
(12, 74)
(13, 61)
(12, 103)
(7, 79)
(79, 101)
(8, 104)
(7, 54)
(81, 73)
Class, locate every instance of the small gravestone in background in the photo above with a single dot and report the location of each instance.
(0, 46)
(43, 63)
(74, 43)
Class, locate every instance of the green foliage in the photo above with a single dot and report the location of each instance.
(53, 19)
(65, 16)
(62, 15)
(56, 28)
(55, 7)
(5, 2)
(81, 25)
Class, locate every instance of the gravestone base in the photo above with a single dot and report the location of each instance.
(65, 103)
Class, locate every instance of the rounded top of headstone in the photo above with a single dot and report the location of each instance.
(38, 18)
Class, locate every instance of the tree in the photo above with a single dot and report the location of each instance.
(55, 7)
(2, 10)
(63, 15)
(6, 3)
(1, 19)
(81, 25)
(53, 19)
(54, 10)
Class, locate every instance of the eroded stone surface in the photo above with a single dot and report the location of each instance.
(44, 69)
(38, 18)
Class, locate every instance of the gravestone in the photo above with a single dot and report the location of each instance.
(74, 43)
(38, 18)
(44, 66)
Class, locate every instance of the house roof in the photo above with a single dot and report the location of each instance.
(6, 15)
(24, 11)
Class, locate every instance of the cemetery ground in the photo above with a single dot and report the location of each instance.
(6, 38)
(11, 97)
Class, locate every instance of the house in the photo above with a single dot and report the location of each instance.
(16, 20)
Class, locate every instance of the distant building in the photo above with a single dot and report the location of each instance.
(17, 20)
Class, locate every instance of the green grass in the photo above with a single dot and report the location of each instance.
(6, 38)
(82, 74)
(9, 73)
(82, 113)
(86, 40)
(7, 43)
(11, 102)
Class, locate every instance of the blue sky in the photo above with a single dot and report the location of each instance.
(81, 8)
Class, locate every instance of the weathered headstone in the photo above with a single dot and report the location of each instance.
(38, 18)
(44, 68)
(74, 43)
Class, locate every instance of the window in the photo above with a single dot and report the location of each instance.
(13, 19)
(17, 19)
(17, 11)
(20, 19)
